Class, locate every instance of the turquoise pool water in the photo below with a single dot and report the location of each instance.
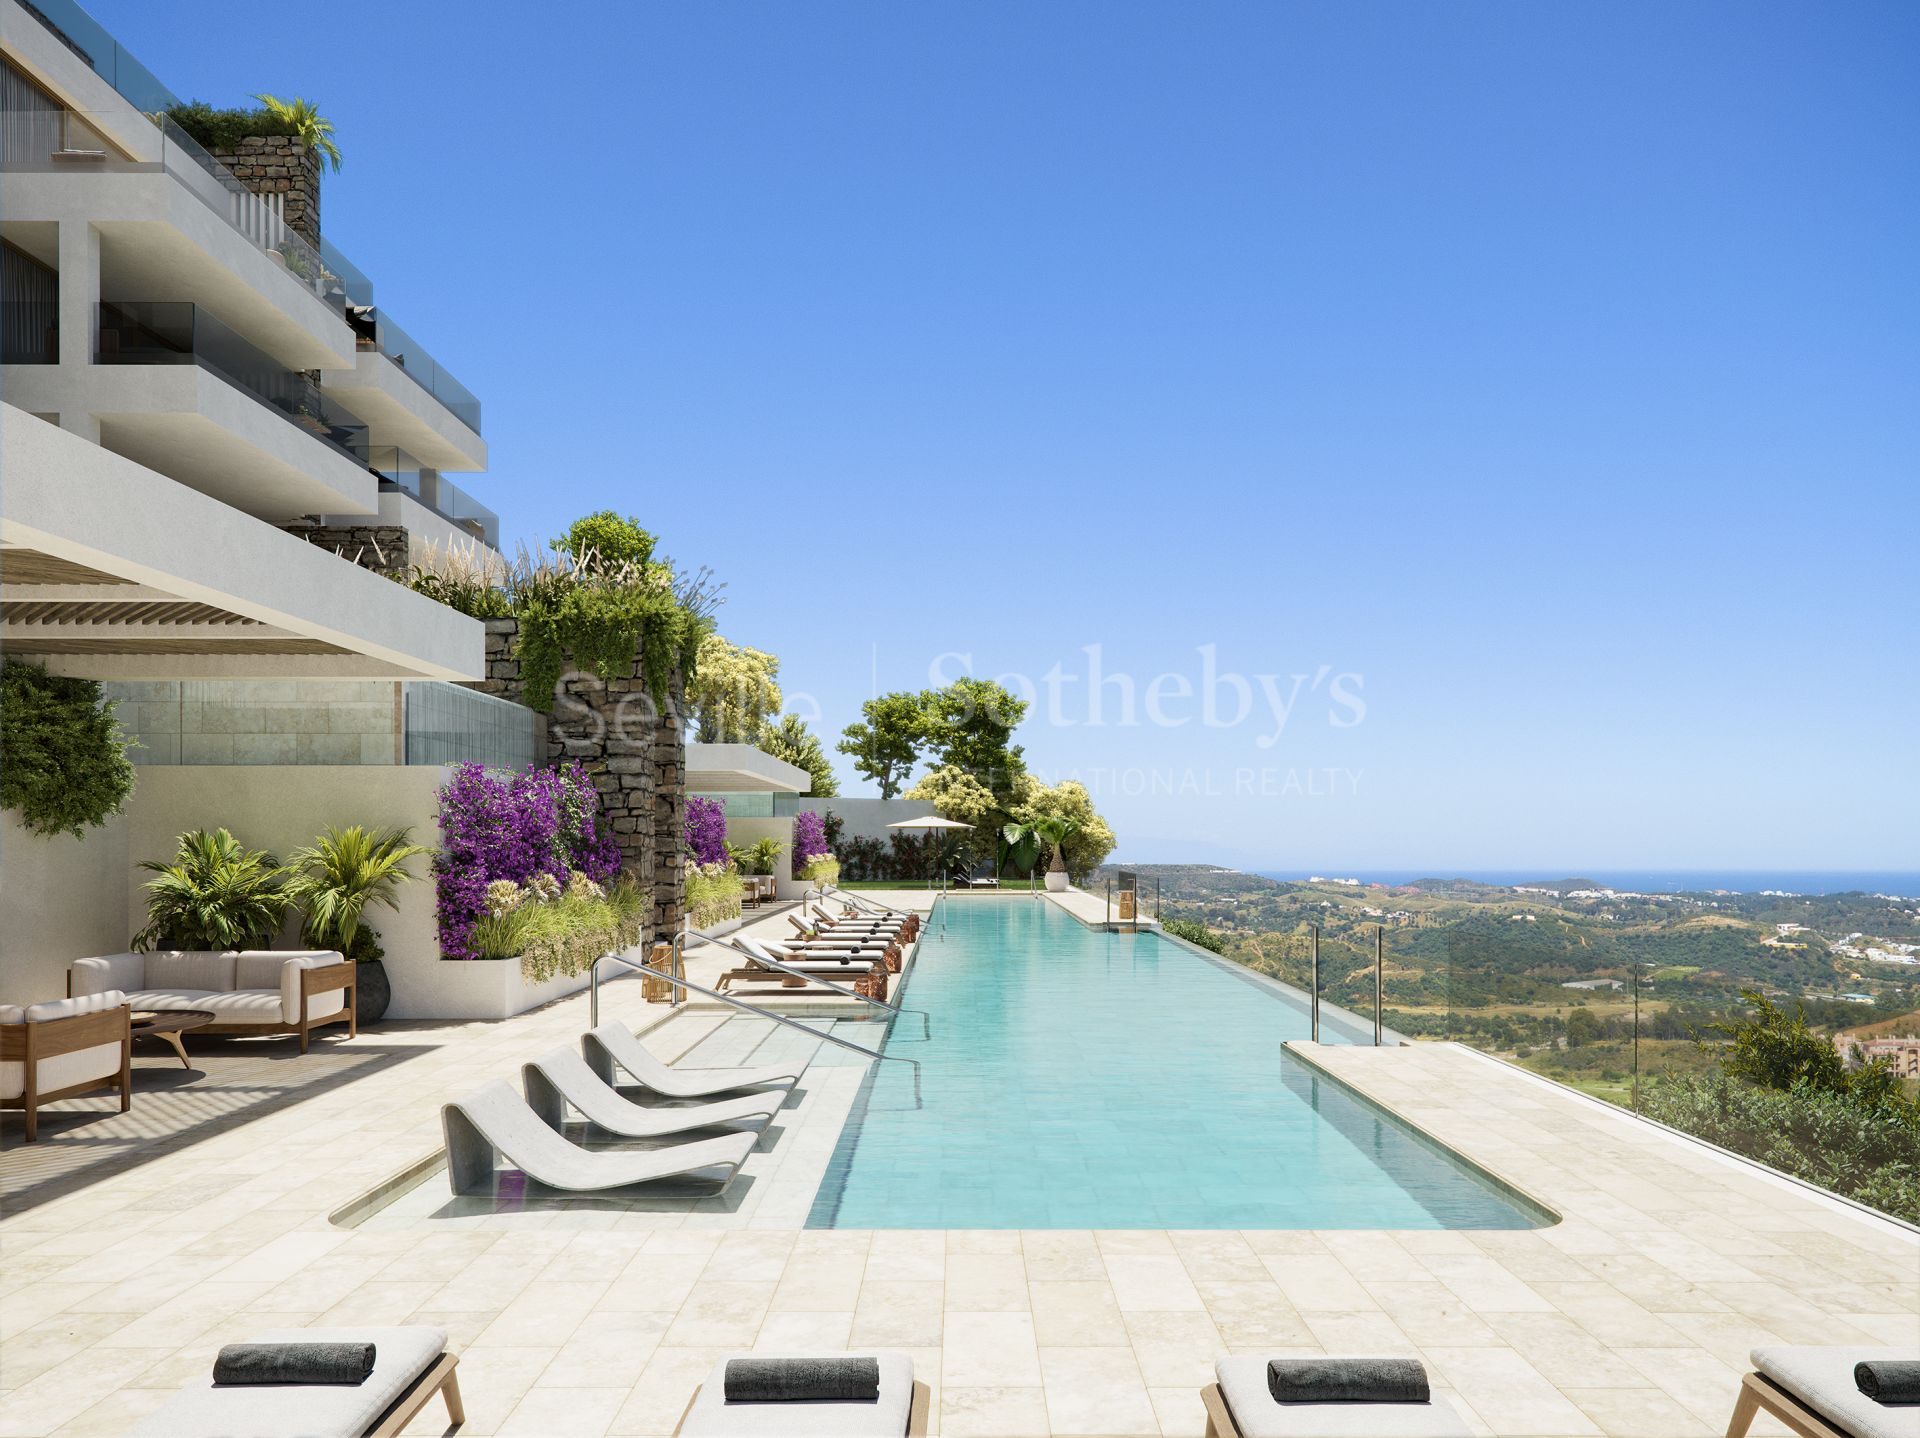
(1080, 1079)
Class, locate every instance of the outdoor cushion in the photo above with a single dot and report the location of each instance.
(61, 1070)
(169, 999)
(126, 972)
(244, 1006)
(189, 969)
(1243, 1383)
(201, 1410)
(1822, 1378)
(279, 970)
(713, 1417)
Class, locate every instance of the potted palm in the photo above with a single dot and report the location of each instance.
(1054, 832)
(215, 893)
(333, 880)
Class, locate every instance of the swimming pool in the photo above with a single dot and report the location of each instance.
(1083, 1079)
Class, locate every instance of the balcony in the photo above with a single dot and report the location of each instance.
(374, 331)
(174, 333)
(401, 473)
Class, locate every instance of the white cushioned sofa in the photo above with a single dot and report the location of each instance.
(62, 1048)
(253, 991)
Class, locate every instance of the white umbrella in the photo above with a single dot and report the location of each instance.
(931, 823)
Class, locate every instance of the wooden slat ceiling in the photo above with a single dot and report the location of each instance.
(30, 566)
(25, 644)
(152, 611)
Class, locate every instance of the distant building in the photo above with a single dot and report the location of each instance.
(1595, 984)
(1900, 1055)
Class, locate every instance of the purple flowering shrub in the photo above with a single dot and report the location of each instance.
(706, 831)
(516, 827)
(809, 837)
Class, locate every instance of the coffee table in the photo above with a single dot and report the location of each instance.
(169, 1024)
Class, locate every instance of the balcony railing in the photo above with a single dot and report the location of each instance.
(171, 332)
(87, 38)
(402, 473)
(376, 331)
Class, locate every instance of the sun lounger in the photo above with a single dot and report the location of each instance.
(893, 955)
(410, 1365)
(494, 1122)
(612, 1048)
(1812, 1391)
(901, 1409)
(865, 969)
(560, 1078)
(1240, 1405)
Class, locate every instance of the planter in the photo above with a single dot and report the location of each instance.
(372, 991)
(1056, 881)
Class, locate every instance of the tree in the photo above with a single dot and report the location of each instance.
(886, 744)
(1583, 1028)
(1775, 1051)
(606, 541)
(732, 692)
(792, 741)
(968, 726)
(1091, 839)
(956, 794)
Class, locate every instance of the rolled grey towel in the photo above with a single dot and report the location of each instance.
(803, 1380)
(293, 1363)
(1348, 1380)
(1889, 1380)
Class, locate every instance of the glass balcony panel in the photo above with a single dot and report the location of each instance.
(172, 332)
(421, 367)
(448, 724)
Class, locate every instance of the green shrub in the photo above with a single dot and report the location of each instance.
(215, 894)
(1869, 1152)
(224, 129)
(713, 894)
(1195, 933)
(565, 933)
(65, 766)
(332, 881)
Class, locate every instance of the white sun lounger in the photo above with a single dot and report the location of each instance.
(900, 1410)
(560, 1078)
(494, 1122)
(1812, 1391)
(1240, 1405)
(810, 957)
(612, 1047)
(410, 1365)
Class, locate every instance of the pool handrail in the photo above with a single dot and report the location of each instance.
(767, 961)
(593, 1009)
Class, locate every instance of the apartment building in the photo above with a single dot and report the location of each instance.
(212, 439)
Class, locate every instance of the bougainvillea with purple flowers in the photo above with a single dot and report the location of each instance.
(809, 837)
(514, 826)
(706, 830)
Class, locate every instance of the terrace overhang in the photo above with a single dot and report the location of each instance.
(742, 769)
(111, 571)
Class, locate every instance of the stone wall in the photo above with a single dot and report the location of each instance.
(277, 165)
(636, 753)
(383, 548)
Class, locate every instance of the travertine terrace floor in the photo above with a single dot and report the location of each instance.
(1631, 1316)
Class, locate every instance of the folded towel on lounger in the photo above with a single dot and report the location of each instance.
(803, 1380)
(293, 1363)
(1347, 1380)
(1889, 1380)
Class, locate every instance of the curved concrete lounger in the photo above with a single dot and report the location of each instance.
(612, 1047)
(561, 1077)
(494, 1122)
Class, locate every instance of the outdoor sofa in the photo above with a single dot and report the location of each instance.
(64, 1048)
(253, 991)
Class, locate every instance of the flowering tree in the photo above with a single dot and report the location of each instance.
(706, 831)
(543, 822)
(809, 837)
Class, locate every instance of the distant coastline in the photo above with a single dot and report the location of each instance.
(1904, 884)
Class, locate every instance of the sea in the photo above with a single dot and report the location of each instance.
(1901, 883)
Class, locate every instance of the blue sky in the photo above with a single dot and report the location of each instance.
(1550, 368)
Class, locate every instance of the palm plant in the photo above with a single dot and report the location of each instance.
(1054, 832)
(306, 124)
(335, 878)
(215, 894)
(1018, 850)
